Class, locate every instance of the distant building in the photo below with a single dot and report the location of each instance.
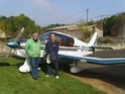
(71, 29)
(96, 29)
(64, 28)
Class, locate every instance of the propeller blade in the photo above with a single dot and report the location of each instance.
(14, 44)
(8, 53)
(19, 35)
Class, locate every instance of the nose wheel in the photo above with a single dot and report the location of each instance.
(26, 67)
(75, 68)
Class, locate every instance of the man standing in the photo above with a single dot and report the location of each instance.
(32, 49)
(52, 49)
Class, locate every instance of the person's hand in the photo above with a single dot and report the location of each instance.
(48, 55)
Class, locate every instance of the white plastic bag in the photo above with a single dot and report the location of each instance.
(48, 61)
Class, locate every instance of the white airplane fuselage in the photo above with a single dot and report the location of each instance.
(80, 50)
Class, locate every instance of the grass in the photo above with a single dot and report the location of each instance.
(14, 82)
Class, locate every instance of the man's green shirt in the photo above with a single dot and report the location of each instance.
(32, 48)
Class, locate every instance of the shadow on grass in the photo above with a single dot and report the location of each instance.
(4, 64)
(10, 63)
(43, 67)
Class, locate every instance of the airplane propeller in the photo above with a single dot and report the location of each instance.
(13, 44)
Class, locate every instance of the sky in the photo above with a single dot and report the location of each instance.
(46, 12)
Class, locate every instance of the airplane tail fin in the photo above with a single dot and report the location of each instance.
(93, 39)
(93, 42)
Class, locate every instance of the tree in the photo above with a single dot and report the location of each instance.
(13, 24)
(112, 22)
(91, 23)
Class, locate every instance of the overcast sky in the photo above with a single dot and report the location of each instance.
(45, 12)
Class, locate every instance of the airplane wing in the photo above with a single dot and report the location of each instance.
(95, 60)
(104, 61)
(103, 47)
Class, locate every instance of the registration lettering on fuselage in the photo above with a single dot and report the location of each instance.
(84, 48)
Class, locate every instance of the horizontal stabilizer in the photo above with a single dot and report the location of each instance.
(103, 47)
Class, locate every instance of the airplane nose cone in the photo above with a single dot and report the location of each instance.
(12, 44)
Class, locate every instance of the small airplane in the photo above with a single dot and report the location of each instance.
(69, 48)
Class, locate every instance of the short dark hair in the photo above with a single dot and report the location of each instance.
(35, 33)
(51, 34)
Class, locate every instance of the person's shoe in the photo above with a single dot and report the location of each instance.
(57, 77)
(48, 75)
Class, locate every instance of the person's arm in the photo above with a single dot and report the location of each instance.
(40, 46)
(47, 49)
(57, 47)
(27, 46)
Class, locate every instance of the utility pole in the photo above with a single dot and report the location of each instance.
(102, 22)
(87, 14)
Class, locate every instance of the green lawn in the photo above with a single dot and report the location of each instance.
(14, 82)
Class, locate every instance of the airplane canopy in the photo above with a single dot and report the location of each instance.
(61, 38)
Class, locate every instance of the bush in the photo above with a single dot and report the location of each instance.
(86, 35)
(105, 41)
